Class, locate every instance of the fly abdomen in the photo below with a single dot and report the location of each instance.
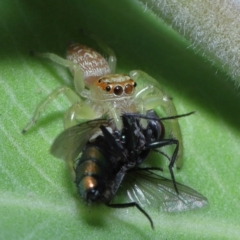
(91, 172)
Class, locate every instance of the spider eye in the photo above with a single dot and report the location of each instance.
(118, 90)
(108, 88)
(128, 89)
(135, 84)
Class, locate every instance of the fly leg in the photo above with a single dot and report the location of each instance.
(167, 142)
(132, 204)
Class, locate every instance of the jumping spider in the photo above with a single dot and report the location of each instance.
(99, 90)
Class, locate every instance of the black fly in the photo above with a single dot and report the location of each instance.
(109, 161)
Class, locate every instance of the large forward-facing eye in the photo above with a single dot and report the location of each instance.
(118, 90)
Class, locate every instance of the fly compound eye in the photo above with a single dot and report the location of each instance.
(118, 90)
(128, 89)
(108, 88)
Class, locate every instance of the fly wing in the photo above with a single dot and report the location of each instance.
(147, 188)
(69, 144)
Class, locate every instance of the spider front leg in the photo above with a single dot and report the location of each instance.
(153, 96)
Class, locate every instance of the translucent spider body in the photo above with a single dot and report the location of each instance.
(100, 91)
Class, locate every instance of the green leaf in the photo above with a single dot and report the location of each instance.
(38, 199)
